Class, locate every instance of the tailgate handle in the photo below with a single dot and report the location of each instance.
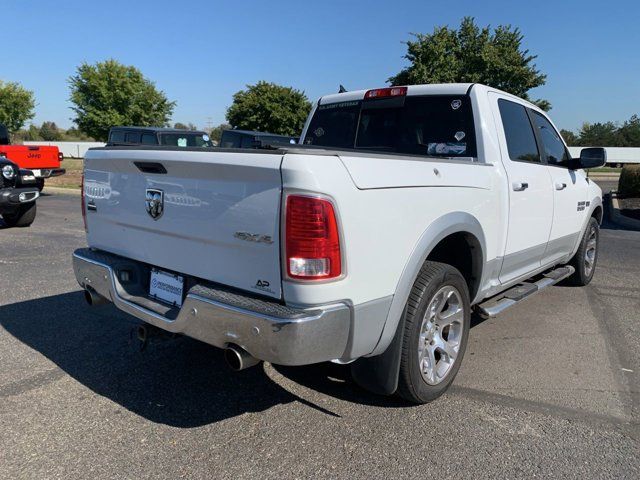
(150, 167)
(34, 148)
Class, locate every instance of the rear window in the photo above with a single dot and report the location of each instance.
(117, 136)
(185, 140)
(436, 125)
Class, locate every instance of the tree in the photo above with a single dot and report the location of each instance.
(270, 108)
(216, 132)
(629, 132)
(180, 126)
(599, 135)
(475, 55)
(16, 105)
(569, 137)
(109, 93)
(50, 132)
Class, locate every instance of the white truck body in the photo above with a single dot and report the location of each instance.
(223, 221)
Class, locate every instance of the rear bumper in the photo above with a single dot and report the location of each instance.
(48, 172)
(11, 198)
(267, 330)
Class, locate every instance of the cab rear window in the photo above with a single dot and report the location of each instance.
(435, 125)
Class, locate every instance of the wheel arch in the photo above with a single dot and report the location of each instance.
(455, 227)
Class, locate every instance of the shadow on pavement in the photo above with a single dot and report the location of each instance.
(176, 380)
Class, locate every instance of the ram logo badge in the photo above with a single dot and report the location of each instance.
(154, 203)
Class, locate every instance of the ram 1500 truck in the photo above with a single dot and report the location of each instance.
(369, 244)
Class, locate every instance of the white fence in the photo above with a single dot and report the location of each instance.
(614, 154)
(70, 149)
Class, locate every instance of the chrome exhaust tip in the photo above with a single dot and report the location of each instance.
(93, 298)
(238, 358)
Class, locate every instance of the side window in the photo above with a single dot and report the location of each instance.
(117, 136)
(521, 141)
(132, 137)
(553, 147)
(148, 139)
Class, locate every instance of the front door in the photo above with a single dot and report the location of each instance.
(569, 191)
(530, 190)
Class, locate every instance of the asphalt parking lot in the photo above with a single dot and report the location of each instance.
(550, 388)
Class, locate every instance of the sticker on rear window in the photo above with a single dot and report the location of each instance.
(459, 136)
(456, 104)
(182, 142)
(446, 148)
(205, 137)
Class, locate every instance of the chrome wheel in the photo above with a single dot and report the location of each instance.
(591, 251)
(440, 335)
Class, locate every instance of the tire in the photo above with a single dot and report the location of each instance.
(585, 259)
(24, 217)
(40, 184)
(428, 337)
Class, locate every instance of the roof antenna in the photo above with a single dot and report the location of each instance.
(342, 89)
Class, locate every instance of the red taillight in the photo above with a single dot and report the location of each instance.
(386, 92)
(312, 239)
(84, 210)
(60, 156)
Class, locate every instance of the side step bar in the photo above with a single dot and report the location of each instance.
(496, 305)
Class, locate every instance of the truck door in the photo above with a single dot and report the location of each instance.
(569, 191)
(530, 190)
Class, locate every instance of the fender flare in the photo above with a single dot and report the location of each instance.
(378, 372)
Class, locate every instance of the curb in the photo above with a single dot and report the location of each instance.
(58, 190)
(619, 219)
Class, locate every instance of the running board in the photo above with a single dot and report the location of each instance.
(496, 305)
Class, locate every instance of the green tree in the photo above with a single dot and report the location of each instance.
(109, 93)
(629, 132)
(569, 137)
(50, 132)
(270, 108)
(216, 132)
(475, 55)
(16, 105)
(599, 135)
(180, 126)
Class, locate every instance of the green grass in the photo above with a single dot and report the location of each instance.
(73, 176)
(604, 170)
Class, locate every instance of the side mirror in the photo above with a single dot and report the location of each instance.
(592, 157)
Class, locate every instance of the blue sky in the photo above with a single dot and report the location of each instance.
(201, 52)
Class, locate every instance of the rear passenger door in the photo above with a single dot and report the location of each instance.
(530, 190)
(569, 191)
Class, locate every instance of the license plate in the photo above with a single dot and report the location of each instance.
(36, 172)
(166, 287)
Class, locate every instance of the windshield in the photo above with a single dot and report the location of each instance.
(440, 125)
(185, 140)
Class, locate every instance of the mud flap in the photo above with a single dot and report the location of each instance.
(379, 374)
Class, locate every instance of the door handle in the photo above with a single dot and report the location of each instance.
(561, 186)
(520, 186)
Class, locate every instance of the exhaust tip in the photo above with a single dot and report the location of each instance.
(238, 358)
(93, 299)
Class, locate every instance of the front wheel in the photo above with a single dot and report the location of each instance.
(584, 261)
(23, 217)
(436, 328)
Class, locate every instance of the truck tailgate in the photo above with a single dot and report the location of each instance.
(219, 220)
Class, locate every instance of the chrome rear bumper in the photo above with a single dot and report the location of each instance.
(267, 330)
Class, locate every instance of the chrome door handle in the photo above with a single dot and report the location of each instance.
(561, 186)
(520, 186)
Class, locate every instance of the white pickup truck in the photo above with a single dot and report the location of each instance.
(370, 243)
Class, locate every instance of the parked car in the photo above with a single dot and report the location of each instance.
(368, 245)
(251, 139)
(18, 194)
(158, 136)
(43, 161)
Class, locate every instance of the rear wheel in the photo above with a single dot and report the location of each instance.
(584, 261)
(23, 217)
(40, 183)
(436, 328)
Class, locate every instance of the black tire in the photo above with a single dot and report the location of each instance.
(23, 217)
(585, 270)
(40, 184)
(433, 279)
